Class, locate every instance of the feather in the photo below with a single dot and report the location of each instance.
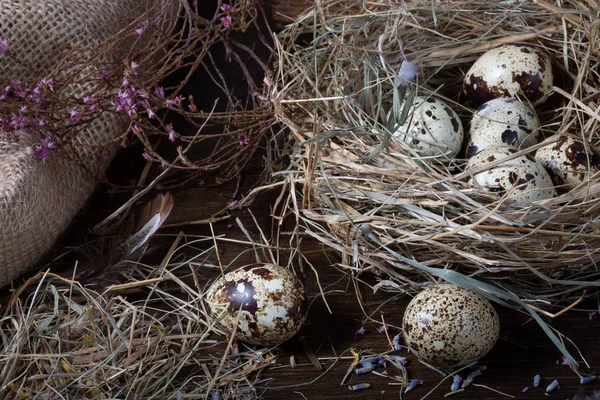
(105, 261)
(153, 216)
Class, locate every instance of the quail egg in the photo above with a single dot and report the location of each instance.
(502, 122)
(510, 71)
(450, 326)
(266, 302)
(432, 128)
(522, 178)
(570, 161)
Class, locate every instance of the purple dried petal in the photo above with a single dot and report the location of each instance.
(176, 101)
(42, 150)
(3, 45)
(75, 115)
(159, 92)
(171, 132)
(141, 27)
(361, 331)
(226, 21)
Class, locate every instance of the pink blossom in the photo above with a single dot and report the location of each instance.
(174, 101)
(226, 21)
(141, 27)
(226, 8)
(593, 315)
(136, 129)
(47, 83)
(75, 115)
(3, 45)
(361, 331)
(382, 328)
(159, 92)
(171, 132)
(243, 140)
(42, 150)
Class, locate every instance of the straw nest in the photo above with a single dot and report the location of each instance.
(409, 218)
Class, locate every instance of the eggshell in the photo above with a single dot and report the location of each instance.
(570, 161)
(502, 122)
(510, 71)
(450, 326)
(433, 128)
(267, 303)
(522, 178)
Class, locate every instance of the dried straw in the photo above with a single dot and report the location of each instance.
(409, 219)
(150, 337)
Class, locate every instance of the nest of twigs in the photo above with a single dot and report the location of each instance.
(410, 219)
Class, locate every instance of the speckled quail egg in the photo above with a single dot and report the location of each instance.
(570, 161)
(433, 128)
(502, 122)
(522, 178)
(267, 303)
(450, 326)
(510, 71)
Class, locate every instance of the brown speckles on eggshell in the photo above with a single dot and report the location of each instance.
(569, 160)
(432, 128)
(504, 122)
(267, 302)
(509, 71)
(463, 328)
(522, 177)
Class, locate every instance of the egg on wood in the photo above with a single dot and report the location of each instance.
(521, 178)
(450, 326)
(266, 302)
(502, 122)
(569, 160)
(432, 128)
(509, 71)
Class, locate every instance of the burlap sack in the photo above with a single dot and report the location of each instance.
(38, 200)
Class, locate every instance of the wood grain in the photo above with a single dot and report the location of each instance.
(522, 351)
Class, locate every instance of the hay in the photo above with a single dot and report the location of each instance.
(149, 337)
(409, 219)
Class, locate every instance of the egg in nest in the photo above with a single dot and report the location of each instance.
(266, 302)
(522, 178)
(569, 160)
(510, 71)
(449, 326)
(502, 122)
(432, 128)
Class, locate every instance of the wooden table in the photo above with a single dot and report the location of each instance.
(333, 320)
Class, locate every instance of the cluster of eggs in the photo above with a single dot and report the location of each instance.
(505, 83)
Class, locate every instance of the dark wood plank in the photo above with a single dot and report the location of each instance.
(522, 352)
